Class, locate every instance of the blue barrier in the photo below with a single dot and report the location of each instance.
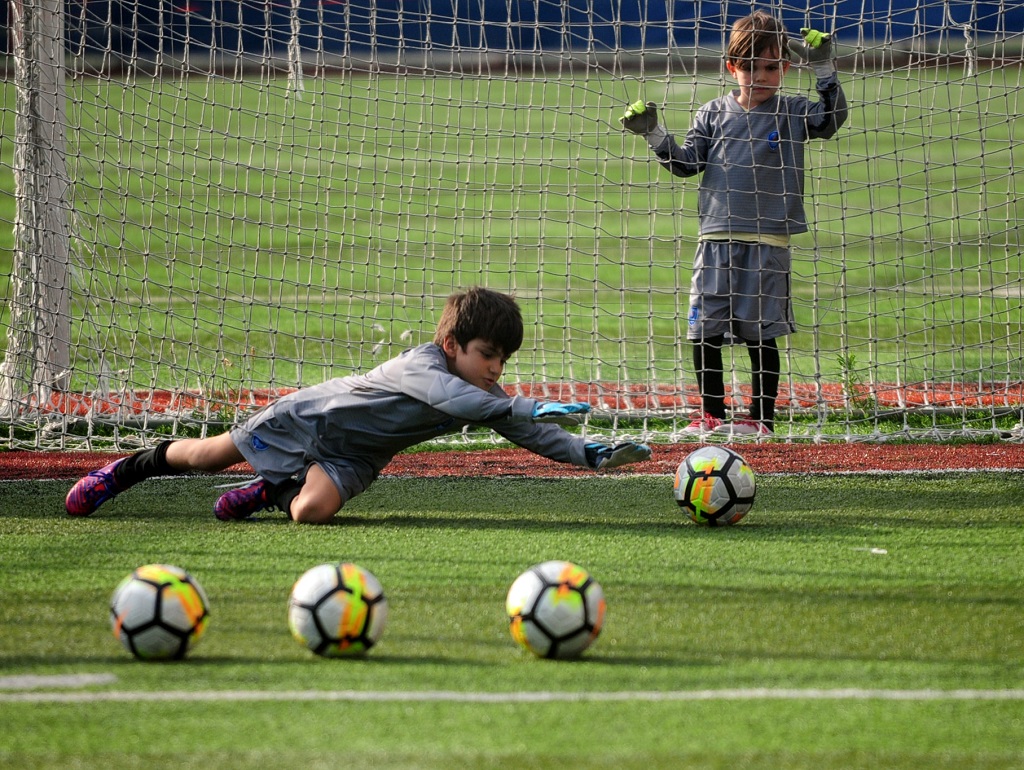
(353, 26)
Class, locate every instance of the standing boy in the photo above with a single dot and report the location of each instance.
(317, 448)
(749, 146)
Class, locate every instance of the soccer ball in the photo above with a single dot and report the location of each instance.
(159, 612)
(715, 486)
(337, 610)
(555, 609)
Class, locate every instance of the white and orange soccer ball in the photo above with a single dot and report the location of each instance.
(715, 486)
(159, 612)
(555, 609)
(337, 610)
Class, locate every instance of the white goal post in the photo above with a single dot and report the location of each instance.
(208, 203)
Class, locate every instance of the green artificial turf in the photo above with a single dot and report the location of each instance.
(235, 236)
(831, 628)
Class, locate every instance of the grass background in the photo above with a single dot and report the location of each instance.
(233, 235)
(792, 597)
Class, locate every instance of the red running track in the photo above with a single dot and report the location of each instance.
(511, 463)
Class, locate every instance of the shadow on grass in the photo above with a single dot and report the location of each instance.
(786, 508)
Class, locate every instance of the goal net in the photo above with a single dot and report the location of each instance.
(210, 203)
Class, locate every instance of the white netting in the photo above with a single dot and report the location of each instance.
(263, 196)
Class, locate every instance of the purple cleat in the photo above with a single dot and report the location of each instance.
(242, 502)
(93, 490)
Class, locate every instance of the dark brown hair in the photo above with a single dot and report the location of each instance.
(753, 36)
(485, 314)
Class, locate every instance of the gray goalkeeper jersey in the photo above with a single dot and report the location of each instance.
(753, 161)
(362, 421)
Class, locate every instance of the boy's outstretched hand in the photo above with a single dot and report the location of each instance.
(816, 50)
(602, 456)
(560, 414)
(640, 118)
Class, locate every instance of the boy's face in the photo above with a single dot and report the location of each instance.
(759, 79)
(480, 363)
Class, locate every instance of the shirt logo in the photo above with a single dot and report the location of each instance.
(259, 444)
(773, 141)
(694, 316)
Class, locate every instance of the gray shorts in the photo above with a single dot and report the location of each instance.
(740, 289)
(277, 451)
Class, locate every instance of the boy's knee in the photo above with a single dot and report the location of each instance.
(306, 511)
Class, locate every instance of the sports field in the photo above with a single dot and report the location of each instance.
(852, 621)
(857, 621)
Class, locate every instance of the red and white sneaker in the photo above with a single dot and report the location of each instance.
(745, 427)
(704, 423)
(243, 502)
(90, 492)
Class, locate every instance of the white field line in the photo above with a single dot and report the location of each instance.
(449, 696)
(54, 681)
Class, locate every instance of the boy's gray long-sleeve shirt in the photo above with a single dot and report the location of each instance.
(753, 161)
(409, 399)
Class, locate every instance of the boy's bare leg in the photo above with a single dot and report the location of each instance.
(318, 499)
(313, 500)
(207, 454)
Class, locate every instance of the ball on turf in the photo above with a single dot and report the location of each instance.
(337, 610)
(159, 612)
(715, 486)
(555, 609)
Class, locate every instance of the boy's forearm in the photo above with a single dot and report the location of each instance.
(674, 158)
(548, 441)
(833, 110)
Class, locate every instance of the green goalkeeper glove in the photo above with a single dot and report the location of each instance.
(817, 53)
(641, 118)
(560, 414)
(602, 457)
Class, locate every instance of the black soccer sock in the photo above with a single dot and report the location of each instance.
(765, 365)
(144, 465)
(282, 494)
(707, 365)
